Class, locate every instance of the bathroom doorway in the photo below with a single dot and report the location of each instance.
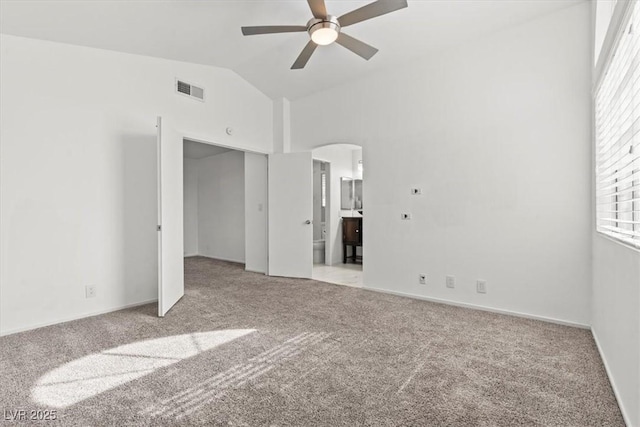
(337, 203)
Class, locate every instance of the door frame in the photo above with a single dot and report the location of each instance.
(337, 211)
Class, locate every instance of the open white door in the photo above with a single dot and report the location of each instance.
(170, 218)
(290, 215)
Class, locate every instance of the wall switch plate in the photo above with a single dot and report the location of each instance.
(90, 291)
(416, 191)
(422, 278)
(405, 216)
(451, 282)
(481, 286)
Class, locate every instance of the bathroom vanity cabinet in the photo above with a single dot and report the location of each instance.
(351, 236)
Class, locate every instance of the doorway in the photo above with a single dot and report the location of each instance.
(338, 202)
(224, 204)
(214, 202)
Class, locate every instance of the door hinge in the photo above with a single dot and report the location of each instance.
(159, 228)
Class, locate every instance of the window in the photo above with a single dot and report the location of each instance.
(617, 138)
(323, 194)
(323, 190)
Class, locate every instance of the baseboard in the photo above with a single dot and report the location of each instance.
(482, 308)
(254, 271)
(190, 255)
(222, 259)
(78, 317)
(616, 393)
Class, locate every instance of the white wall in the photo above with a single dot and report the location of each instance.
(356, 156)
(225, 217)
(497, 134)
(78, 170)
(615, 318)
(255, 214)
(190, 207)
(221, 199)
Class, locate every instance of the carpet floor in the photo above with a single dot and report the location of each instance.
(244, 349)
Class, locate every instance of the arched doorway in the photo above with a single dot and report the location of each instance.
(338, 187)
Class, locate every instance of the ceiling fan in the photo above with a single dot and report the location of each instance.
(325, 29)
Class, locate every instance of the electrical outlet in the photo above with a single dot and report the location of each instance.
(451, 282)
(481, 286)
(416, 191)
(90, 291)
(405, 216)
(422, 278)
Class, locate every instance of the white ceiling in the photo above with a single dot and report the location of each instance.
(208, 32)
(199, 150)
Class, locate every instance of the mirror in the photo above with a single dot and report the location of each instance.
(346, 193)
(350, 194)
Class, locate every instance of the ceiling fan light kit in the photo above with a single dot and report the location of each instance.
(325, 29)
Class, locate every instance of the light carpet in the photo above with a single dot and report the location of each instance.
(244, 349)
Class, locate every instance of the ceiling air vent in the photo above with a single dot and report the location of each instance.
(189, 90)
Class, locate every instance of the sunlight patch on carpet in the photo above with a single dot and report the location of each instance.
(91, 375)
(190, 400)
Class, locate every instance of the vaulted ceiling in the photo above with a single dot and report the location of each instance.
(208, 32)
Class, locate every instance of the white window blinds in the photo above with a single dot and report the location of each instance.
(617, 151)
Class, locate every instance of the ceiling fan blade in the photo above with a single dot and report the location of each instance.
(371, 10)
(318, 8)
(271, 29)
(356, 46)
(304, 56)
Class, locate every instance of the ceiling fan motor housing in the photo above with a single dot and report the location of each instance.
(323, 31)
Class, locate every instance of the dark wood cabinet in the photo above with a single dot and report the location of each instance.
(351, 236)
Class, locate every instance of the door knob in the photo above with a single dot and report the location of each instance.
(308, 222)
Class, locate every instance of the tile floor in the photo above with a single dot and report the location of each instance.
(339, 274)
